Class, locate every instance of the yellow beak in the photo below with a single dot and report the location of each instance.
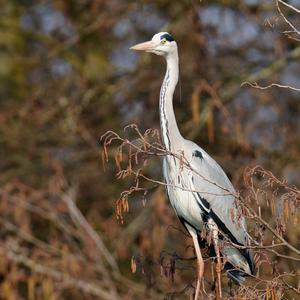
(146, 46)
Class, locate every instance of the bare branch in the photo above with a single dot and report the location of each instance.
(290, 6)
(255, 85)
(284, 17)
(82, 222)
(13, 252)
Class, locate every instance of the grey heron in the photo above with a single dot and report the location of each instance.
(198, 188)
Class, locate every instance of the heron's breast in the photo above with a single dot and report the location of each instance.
(181, 196)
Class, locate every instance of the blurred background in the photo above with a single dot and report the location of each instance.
(67, 76)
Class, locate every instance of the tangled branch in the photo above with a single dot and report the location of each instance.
(265, 198)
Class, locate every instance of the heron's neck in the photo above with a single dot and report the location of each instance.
(168, 124)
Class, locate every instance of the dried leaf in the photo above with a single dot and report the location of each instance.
(196, 107)
(133, 265)
(47, 287)
(8, 291)
(210, 126)
(286, 210)
(295, 220)
(247, 178)
(273, 207)
(268, 294)
(273, 294)
(31, 288)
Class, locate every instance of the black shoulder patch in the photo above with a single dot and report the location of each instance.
(198, 154)
(167, 36)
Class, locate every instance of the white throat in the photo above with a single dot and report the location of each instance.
(169, 129)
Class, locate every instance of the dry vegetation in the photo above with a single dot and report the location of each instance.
(270, 205)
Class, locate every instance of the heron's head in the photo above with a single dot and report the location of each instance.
(161, 43)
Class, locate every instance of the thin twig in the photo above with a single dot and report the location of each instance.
(255, 85)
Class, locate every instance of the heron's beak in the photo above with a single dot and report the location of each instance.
(146, 46)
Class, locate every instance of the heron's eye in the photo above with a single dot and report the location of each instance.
(163, 41)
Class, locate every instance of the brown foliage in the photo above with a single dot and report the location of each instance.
(270, 205)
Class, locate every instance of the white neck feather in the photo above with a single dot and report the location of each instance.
(169, 129)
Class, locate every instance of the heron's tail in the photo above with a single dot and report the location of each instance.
(239, 263)
(239, 267)
(237, 276)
